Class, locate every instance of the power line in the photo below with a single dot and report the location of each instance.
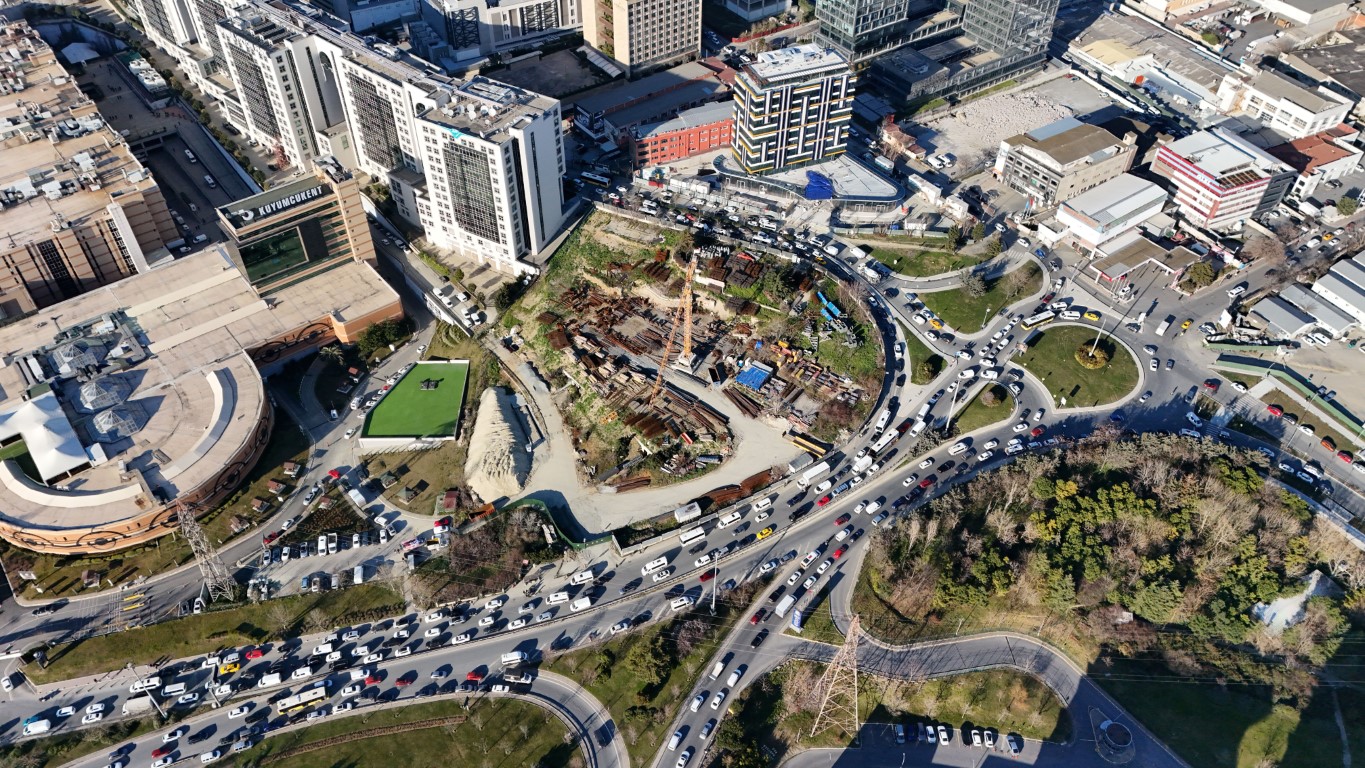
(839, 688)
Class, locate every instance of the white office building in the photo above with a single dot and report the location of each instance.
(493, 157)
(1111, 209)
(1288, 107)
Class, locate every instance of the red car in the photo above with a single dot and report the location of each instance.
(1038, 430)
(255, 653)
(1346, 457)
(928, 481)
(823, 500)
(270, 537)
(838, 553)
(1275, 410)
(162, 751)
(757, 617)
(402, 682)
(372, 680)
(705, 577)
(844, 518)
(474, 677)
(1211, 385)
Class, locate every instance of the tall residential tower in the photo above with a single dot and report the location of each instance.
(792, 106)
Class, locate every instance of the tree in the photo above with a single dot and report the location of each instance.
(1263, 250)
(953, 236)
(1092, 356)
(993, 248)
(332, 354)
(1201, 274)
(974, 285)
(507, 295)
(1347, 206)
(979, 230)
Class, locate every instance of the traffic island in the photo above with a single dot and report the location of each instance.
(1055, 355)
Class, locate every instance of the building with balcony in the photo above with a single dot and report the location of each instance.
(1284, 105)
(1220, 180)
(1058, 161)
(643, 35)
(792, 107)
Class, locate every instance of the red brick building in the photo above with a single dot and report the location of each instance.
(692, 132)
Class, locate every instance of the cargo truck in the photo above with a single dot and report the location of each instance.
(810, 474)
(784, 605)
(1161, 329)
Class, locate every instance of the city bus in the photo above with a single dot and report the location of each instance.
(291, 704)
(687, 537)
(1042, 318)
(594, 178)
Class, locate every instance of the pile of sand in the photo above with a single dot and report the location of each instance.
(498, 463)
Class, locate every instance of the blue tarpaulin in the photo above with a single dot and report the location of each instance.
(818, 186)
(754, 376)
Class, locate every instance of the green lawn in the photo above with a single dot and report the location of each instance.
(921, 263)
(1051, 358)
(916, 354)
(967, 314)
(496, 732)
(410, 411)
(977, 414)
(194, 635)
(1240, 726)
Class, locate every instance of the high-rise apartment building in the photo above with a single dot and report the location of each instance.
(493, 157)
(1221, 180)
(475, 28)
(1010, 27)
(77, 210)
(644, 34)
(792, 106)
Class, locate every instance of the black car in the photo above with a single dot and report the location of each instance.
(201, 736)
(758, 639)
(777, 593)
(797, 499)
(947, 466)
(631, 586)
(802, 512)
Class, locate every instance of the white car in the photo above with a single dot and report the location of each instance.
(1020, 427)
(967, 373)
(1152, 364)
(403, 651)
(661, 575)
(486, 621)
(929, 462)
(697, 701)
(964, 355)
(210, 756)
(433, 632)
(991, 444)
(529, 607)
(350, 635)
(374, 658)
(957, 448)
(463, 637)
(360, 650)
(94, 708)
(433, 616)
(1239, 386)
(620, 626)
(495, 603)
(910, 480)
(187, 699)
(333, 656)
(239, 712)
(768, 566)
(825, 566)
(984, 456)
(519, 623)
(352, 689)
(718, 698)
(808, 583)
(65, 712)
(1039, 415)
(173, 735)
(93, 717)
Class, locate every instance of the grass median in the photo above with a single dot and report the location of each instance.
(1052, 358)
(991, 405)
(491, 732)
(966, 313)
(194, 635)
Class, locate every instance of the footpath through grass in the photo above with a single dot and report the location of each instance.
(496, 733)
(1051, 357)
(968, 314)
(194, 635)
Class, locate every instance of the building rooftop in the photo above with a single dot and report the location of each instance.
(1115, 200)
(179, 335)
(1311, 152)
(799, 62)
(691, 118)
(1068, 141)
(1221, 154)
(618, 95)
(1350, 293)
(1124, 35)
(1279, 86)
(1129, 251)
(1350, 269)
(59, 161)
(1288, 319)
(485, 107)
(667, 103)
(1328, 315)
(1315, 6)
(1343, 62)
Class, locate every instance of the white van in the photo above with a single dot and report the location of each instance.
(653, 565)
(145, 684)
(680, 603)
(322, 650)
(761, 504)
(582, 577)
(174, 689)
(717, 669)
(733, 678)
(675, 741)
(728, 520)
(957, 449)
(557, 598)
(581, 604)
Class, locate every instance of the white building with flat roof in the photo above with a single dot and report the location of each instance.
(1221, 179)
(1282, 104)
(1110, 209)
(1342, 293)
(1328, 316)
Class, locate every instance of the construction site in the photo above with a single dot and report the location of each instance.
(655, 340)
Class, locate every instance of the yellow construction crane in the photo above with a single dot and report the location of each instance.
(682, 315)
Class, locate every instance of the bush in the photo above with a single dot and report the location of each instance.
(1091, 356)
